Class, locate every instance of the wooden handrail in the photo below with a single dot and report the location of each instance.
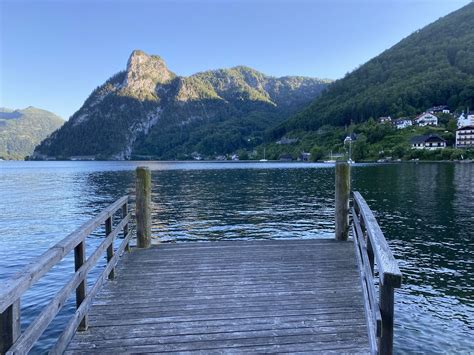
(11, 341)
(386, 262)
(372, 249)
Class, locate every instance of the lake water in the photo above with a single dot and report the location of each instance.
(426, 211)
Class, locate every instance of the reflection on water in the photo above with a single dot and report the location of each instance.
(425, 210)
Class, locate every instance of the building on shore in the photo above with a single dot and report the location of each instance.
(466, 119)
(384, 119)
(465, 137)
(428, 141)
(426, 119)
(82, 157)
(438, 109)
(402, 123)
(304, 156)
(286, 157)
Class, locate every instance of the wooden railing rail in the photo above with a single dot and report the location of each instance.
(372, 249)
(12, 341)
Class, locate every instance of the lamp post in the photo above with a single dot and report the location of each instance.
(349, 139)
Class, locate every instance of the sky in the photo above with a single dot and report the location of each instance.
(54, 53)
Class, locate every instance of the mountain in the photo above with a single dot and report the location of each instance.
(22, 130)
(149, 111)
(433, 66)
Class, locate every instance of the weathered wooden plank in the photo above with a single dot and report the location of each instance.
(216, 327)
(387, 265)
(215, 297)
(340, 347)
(330, 270)
(332, 286)
(223, 325)
(182, 321)
(230, 311)
(193, 341)
(213, 279)
(221, 320)
(278, 250)
(222, 259)
(196, 302)
(14, 287)
(236, 295)
(251, 243)
(157, 344)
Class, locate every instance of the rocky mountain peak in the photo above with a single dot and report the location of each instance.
(144, 73)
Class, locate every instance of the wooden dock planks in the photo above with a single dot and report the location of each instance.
(231, 297)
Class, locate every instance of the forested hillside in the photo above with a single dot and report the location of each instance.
(22, 130)
(147, 111)
(433, 66)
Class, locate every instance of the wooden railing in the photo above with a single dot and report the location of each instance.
(12, 341)
(372, 250)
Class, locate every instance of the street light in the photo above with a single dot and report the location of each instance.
(349, 139)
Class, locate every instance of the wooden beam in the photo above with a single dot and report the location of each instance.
(110, 248)
(9, 326)
(81, 290)
(386, 302)
(125, 228)
(143, 201)
(343, 189)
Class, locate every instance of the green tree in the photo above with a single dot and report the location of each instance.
(317, 153)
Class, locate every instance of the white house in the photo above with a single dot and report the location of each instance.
(466, 119)
(438, 109)
(402, 123)
(384, 119)
(465, 137)
(428, 141)
(426, 119)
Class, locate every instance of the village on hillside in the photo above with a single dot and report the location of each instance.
(435, 134)
(464, 128)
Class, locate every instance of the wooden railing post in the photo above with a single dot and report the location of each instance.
(386, 303)
(125, 228)
(343, 189)
(370, 253)
(81, 290)
(110, 248)
(9, 326)
(143, 201)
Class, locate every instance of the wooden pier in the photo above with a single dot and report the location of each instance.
(217, 297)
(264, 296)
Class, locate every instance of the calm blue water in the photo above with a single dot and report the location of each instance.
(426, 211)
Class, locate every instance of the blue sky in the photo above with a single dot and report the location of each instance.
(54, 53)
